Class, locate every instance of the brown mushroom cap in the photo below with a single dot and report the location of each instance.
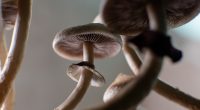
(69, 42)
(117, 85)
(9, 12)
(128, 17)
(74, 71)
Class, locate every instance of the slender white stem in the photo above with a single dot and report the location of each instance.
(88, 54)
(77, 94)
(15, 55)
(84, 81)
(9, 101)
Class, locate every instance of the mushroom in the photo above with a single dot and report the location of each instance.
(85, 42)
(9, 12)
(8, 16)
(15, 54)
(139, 88)
(131, 56)
(128, 17)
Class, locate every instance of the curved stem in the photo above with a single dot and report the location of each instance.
(15, 55)
(84, 81)
(177, 96)
(164, 89)
(131, 56)
(9, 101)
(138, 89)
(78, 93)
(161, 87)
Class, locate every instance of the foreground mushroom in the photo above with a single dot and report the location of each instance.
(9, 9)
(84, 42)
(138, 89)
(15, 54)
(129, 17)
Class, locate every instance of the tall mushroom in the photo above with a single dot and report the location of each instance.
(8, 16)
(84, 42)
(133, 94)
(128, 17)
(15, 54)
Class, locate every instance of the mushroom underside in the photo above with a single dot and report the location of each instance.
(129, 16)
(70, 47)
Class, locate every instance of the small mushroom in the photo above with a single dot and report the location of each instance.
(129, 17)
(9, 12)
(85, 42)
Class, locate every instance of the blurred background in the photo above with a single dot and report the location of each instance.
(42, 83)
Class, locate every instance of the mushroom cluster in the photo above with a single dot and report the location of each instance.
(141, 25)
(85, 43)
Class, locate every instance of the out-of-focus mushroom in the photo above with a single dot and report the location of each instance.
(129, 17)
(138, 89)
(15, 54)
(85, 42)
(9, 10)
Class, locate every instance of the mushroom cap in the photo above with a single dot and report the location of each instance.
(129, 17)
(74, 71)
(9, 12)
(69, 42)
(116, 86)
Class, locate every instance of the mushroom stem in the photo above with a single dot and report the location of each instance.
(10, 99)
(15, 55)
(84, 81)
(78, 93)
(177, 96)
(162, 88)
(138, 89)
(131, 56)
(88, 54)
(8, 103)
(156, 13)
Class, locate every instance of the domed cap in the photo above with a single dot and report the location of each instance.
(129, 16)
(69, 42)
(9, 12)
(117, 85)
(74, 71)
